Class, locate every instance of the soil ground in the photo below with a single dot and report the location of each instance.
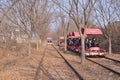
(15, 67)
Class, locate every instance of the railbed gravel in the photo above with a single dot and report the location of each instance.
(89, 70)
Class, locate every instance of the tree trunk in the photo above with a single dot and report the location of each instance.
(83, 49)
(110, 46)
(29, 47)
(65, 44)
(37, 42)
(29, 44)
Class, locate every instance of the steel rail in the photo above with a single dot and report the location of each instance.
(41, 68)
(112, 59)
(69, 64)
(110, 69)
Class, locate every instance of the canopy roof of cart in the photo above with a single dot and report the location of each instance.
(93, 31)
(87, 32)
(61, 37)
(49, 38)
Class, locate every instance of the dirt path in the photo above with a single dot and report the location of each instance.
(25, 67)
(19, 67)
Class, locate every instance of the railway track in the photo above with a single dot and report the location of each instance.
(76, 64)
(58, 68)
(112, 71)
(69, 64)
(108, 63)
(55, 68)
(112, 59)
(41, 68)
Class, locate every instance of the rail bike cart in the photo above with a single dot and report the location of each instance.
(61, 41)
(94, 49)
(74, 43)
(49, 40)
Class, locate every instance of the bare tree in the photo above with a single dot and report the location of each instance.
(79, 12)
(5, 6)
(116, 5)
(105, 15)
(65, 26)
(31, 16)
(5, 28)
(43, 19)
